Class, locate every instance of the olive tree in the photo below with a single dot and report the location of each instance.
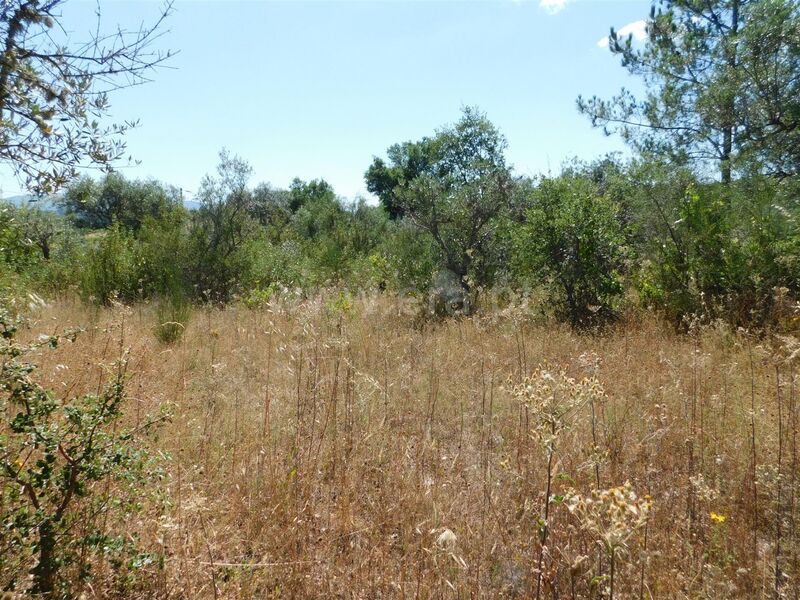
(455, 187)
(54, 90)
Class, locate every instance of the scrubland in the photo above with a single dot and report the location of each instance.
(321, 448)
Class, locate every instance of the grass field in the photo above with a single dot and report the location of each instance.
(334, 449)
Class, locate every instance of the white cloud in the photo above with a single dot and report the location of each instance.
(638, 29)
(553, 6)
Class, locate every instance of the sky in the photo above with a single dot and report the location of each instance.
(315, 89)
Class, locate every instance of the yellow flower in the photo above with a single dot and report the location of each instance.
(718, 518)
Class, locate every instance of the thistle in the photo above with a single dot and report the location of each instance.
(613, 517)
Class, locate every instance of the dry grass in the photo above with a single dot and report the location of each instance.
(320, 452)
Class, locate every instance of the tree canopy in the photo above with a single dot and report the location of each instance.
(453, 186)
(722, 81)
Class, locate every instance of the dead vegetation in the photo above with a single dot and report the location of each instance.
(332, 449)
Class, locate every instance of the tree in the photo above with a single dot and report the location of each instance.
(54, 91)
(270, 206)
(220, 228)
(723, 85)
(453, 186)
(574, 242)
(40, 227)
(301, 193)
(114, 199)
(409, 160)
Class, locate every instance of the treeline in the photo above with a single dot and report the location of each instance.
(700, 221)
(454, 226)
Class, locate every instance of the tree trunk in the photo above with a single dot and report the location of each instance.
(44, 573)
(727, 148)
(730, 109)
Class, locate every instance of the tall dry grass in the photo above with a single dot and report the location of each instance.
(324, 449)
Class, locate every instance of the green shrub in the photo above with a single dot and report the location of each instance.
(259, 297)
(268, 265)
(161, 255)
(574, 243)
(410, 257)
(111, 268)
(70, 475)
(728, 251)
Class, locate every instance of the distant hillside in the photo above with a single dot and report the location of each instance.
(50, 203)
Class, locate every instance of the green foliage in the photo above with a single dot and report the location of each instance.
(316, 191)
(721, 82)
(114, 199)
(728, 251)
(454, 187)
(219, 230)
(61, 274)
(339, 306)
(270, 207)
(259, 297)
(111, 268)
(409, 259)
(270, 265)
(69, 476)
(409, 160)
(16, 251)
(161, 249)
(574, 242)
(40, 228)
(452, 222)
(319, 224)
(334, 238)
(29, 238)
(240, 243)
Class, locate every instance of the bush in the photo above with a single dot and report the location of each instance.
(269, 265)
(410, 259)
(59, 458)
(161, 250)
(728, 251)
(574, 243)
(111, 268)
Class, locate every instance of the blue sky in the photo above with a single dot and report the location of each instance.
(315, 89)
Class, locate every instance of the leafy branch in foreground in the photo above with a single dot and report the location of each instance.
(69, 475)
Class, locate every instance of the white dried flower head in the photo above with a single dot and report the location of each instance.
(446, 540)
(590, 361)
(613, 516)
(702, 490)
(553, 398)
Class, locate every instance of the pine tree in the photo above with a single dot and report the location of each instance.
(722, 80)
